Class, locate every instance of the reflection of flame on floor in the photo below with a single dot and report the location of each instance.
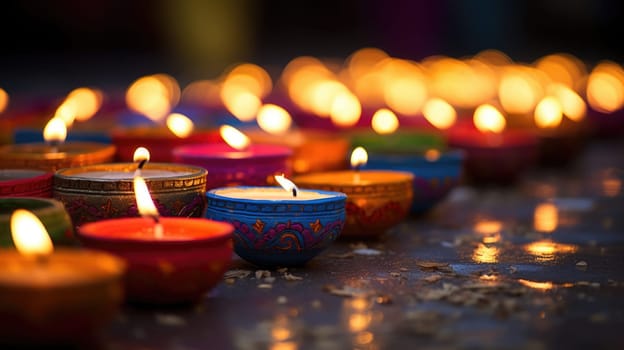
(485, 254)
(546, 250)
(542, 285)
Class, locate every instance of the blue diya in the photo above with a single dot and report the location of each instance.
(436, 173)
(274, 228)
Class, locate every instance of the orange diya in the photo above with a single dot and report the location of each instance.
(170, 260)
(52, 296)
(55, 153)
(377, 200)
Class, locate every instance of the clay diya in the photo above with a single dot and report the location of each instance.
(51, 212)
(237, 162)
(170, 260)
(104, 191)
(494, 155)
(377, 200)
(55, 154)
(62, 297)
(275, 227)
(25, 183)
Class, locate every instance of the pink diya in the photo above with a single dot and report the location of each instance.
(25, 183)
(493, 155)
(170, 260)
(160, 141)
(237, 162)
(54, 297)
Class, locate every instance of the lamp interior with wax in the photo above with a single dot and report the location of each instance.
(171, 260)
(237, 162)
(376, 199)
(494, 154)
(104, 191)
(51, 296)
(279, 226)
(55, 153)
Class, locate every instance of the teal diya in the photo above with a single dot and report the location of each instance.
(274, 227)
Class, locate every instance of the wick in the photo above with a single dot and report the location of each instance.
(142, 163)
(294, 191)
(41, 259)
(54, 145)
(158, 228)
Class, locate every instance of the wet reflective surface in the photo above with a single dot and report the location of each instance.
(537, 265)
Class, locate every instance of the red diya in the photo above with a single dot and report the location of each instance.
(55, 154)
(237, 162)
(170, 260)
(53, 296)
(25, 183)
(160, 141)
(493, 155)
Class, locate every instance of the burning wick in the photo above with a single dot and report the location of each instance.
(286, 184)
(142, 156)
(55, 133)
(359, 157)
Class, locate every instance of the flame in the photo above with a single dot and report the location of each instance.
(384, 121)
(234, 137)
(288, 185)
(153, 96)
(545, 217)
(519, 91)
(180, 125)
(83, 103)
(202, 92)
(562, 68)
(605, 88)
(29, 235)
(55, 131)
(439, 113)
(488, 118)
(345, 109)
(432, 155)
(404, 86)
(359, 157)
(4, 100)
(145, 204)
(572, 105)
(241, 103)
(548, 113)
(273, 119)
(141, 154)
(250, 77)
(321, 94)
(360, 62)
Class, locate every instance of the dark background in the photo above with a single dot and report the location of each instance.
(54, 46)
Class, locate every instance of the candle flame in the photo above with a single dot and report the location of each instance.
(81, 104)
(241, 103)
(234, 137)
(359, 157)
(180, 125)
(545, 217)
(384, 121)
(288, 185)
(141, 154)
(345, 109)
(439, 113)
(55, 131)
(488, 118)
(274, 119)
(145, 204)
(548, 113)
(605, 87)
(29, 235)
(153, 96)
